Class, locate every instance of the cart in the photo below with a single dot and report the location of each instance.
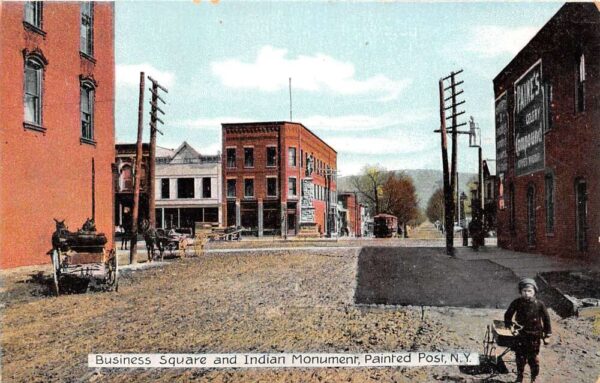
(498, 335)
(82, 255)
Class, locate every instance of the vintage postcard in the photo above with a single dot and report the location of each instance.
(299, 191)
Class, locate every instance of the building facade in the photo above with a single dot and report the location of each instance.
(548, 139)
(351, 223)
(125, 166)
(56, 123)
(188, 188)
(267, 173)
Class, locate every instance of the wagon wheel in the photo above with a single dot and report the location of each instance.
(488, 343)
(56, 269)
(112, 276)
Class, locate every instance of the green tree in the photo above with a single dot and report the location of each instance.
(369, 185)
(435, 206)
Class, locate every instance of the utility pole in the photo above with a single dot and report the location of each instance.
(137, 174)
(449, 174)
(152, 152)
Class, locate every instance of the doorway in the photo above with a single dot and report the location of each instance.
(291, 223)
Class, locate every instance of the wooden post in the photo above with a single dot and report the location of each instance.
(137, 175)
(448, 208)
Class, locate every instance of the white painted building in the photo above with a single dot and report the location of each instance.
(188, 187)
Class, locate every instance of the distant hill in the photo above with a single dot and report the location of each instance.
(426, 181)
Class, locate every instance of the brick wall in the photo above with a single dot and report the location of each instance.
(572, 144)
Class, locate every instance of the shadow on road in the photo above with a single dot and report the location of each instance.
(427, 277)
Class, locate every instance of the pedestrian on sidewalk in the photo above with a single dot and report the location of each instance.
(533, 324)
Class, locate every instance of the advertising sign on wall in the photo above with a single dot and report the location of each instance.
(529, 121)
(501, 144)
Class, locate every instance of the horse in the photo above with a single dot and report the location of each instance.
(152, 239)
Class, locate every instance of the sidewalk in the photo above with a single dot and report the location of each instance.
(525, 264)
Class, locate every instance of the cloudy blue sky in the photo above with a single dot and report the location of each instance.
(364, 74)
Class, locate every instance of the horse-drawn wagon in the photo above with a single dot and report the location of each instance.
(82, 254)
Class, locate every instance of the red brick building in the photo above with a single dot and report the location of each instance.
(56, 123)
(264, 169)
(548, 139)
(353, 224)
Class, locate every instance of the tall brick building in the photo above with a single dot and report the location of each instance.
(548, 139)
(56, 123)
(264, 165)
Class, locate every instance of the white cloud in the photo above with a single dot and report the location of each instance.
(494, 40)
(209, 123)
(128, 75)
(272, 69)
(398, 144)
(361, 122)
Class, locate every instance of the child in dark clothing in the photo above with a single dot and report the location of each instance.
(532, 315)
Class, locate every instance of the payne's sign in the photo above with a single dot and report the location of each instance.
(529, 121)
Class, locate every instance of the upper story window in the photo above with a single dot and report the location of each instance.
(126, 178)
(34, 75)
(248, 157)
(165, 188)
(231, 185)
(206, 184)
(87, 91)
(248, 187)
(185, 188)
(231, 157)
(86, 41)
(580, 85)
(292, 156)
(33, 13)
(271, 187)
(292, 186)
(271, 156)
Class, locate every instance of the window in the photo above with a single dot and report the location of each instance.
(185, 188)
(271, 156)
(231, 188)
(87, 110)
(248, 157)
(165, 188)
(126, 179)
(301, 158)
(86, 45)
(33, 13)
(33, 91)
(206, 187)
(580, 85)
(271, 187)
(231, 157)
(292, 186)
(292, 156)
(549, 188)
(249, 187)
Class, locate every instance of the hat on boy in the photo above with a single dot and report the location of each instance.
(527, 281)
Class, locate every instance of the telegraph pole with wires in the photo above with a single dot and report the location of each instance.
(449, 92)
(137, 174)
(154, 109)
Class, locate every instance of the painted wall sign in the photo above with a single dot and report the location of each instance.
(501, 134)
(529, 122)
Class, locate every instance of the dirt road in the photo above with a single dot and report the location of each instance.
(251, 302)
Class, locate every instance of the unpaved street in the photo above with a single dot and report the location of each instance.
(286, 301)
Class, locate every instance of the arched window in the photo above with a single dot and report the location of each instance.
(86, 45)
(126, 178)
(34, 77)
(87, 90)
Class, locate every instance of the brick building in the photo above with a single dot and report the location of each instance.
(548, 139)
(264, 171)
(56, 123)
(353, 211)
(125, 166)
